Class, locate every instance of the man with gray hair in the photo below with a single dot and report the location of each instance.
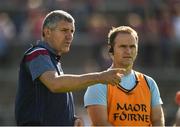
(44, 92)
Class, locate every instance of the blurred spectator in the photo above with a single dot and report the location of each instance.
(7, 26)
(139, 6)
(7, 33)
(166, 34)
(31, 28)
(81, 14)
(91, 66)
(97, 31)
(152, 41)
(176, 21)
(176, 27)
(177, 100)
(3, 46)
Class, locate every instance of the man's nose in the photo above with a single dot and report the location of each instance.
(69, 35)
(128, 49)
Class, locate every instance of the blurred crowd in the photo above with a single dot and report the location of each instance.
(157, 22)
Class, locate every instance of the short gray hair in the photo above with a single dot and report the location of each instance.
(52, 18)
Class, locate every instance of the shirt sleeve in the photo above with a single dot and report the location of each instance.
(95, 95)
(155, 94)
(38, 63)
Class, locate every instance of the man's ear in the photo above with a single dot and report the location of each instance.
(46, 32)
(110, 51)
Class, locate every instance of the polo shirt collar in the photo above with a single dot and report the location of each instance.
(46, 45)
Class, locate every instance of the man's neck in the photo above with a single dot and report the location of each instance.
(128, 69)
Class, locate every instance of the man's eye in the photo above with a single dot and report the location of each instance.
(64, 30)
(133, 46)
(122, 46)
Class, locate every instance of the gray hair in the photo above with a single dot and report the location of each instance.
(52, 18)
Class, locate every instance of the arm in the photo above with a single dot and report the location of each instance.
(41, 67)
(157, 116)
(68, 82)
(98, 115)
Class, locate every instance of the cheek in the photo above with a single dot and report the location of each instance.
(58, 39)
(135, 54)
(117, 55)
(118, 52)
(57, 42)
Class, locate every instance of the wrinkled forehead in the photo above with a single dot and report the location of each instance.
(65, 25)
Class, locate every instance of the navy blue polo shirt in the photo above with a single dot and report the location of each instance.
(35, 103)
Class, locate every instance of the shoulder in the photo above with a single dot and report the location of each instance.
(150, 81)
(95, 94)
(155, 94)
(148, 78)
(98, 88)
(34, 52)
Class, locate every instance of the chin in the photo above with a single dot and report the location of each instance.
(66, 51)
(126, 65)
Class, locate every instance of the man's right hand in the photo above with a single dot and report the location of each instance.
(111, 76)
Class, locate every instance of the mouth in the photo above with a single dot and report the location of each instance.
(67, 44)
(127, 57)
